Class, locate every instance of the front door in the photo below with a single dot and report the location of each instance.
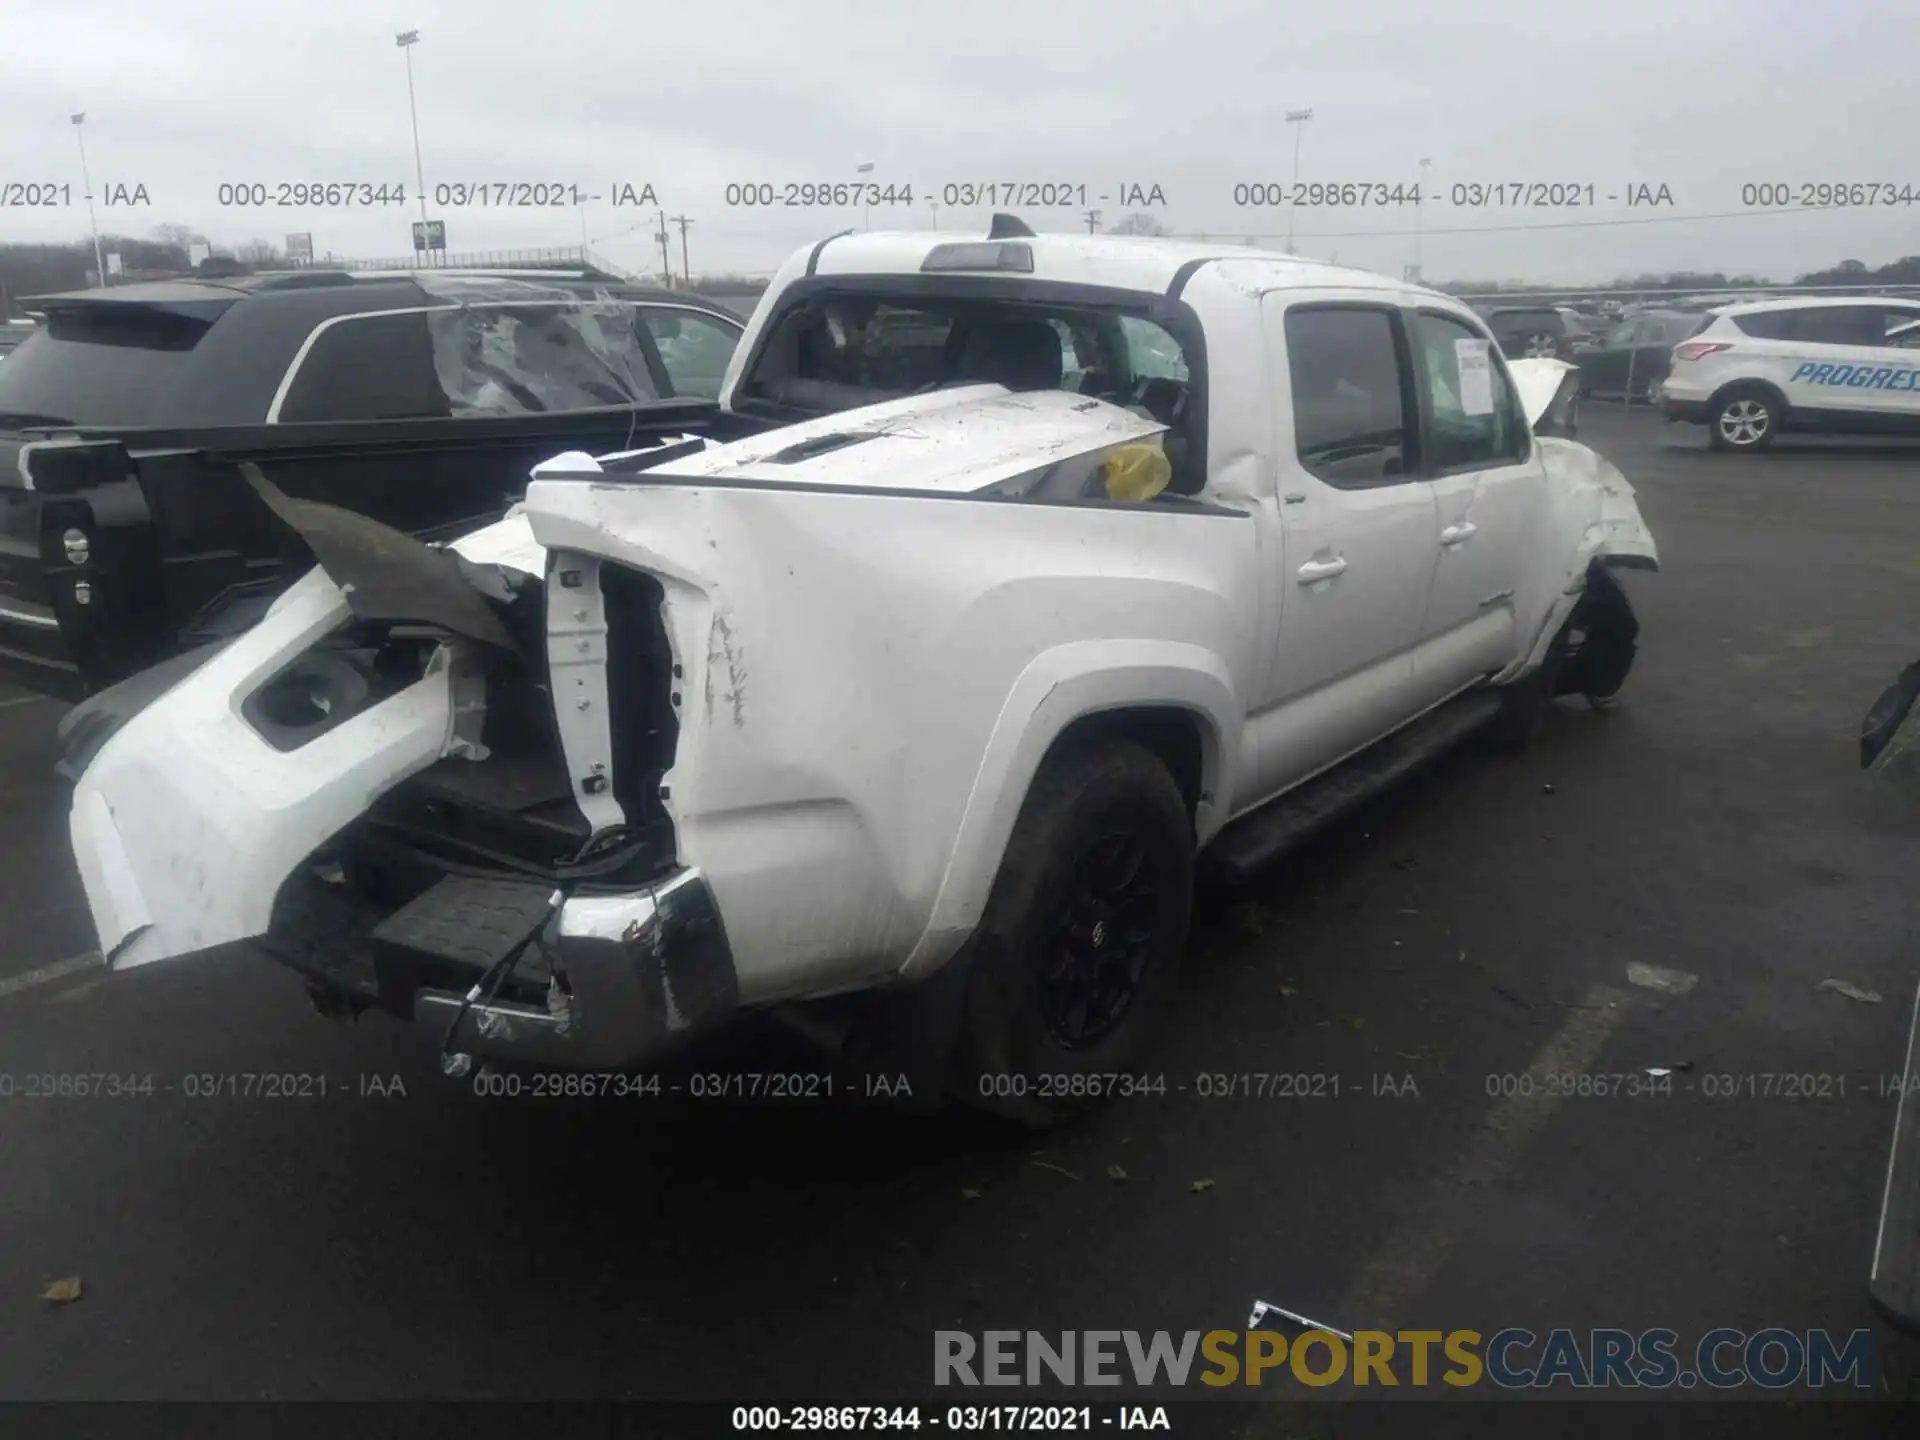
(1490, 500)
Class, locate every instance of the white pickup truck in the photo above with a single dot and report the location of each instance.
(1060, 565)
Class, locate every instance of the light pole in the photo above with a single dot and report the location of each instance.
(406, 40)
(80, 134)
(1419, 214)
(867, 219)
(936, 213)
(1298, 119)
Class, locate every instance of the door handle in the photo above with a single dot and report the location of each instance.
(1321, 570)
(1458, 534)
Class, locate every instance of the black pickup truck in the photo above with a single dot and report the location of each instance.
(422, 399)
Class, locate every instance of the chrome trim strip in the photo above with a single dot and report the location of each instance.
(20, 617)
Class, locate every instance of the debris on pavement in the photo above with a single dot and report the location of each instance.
(1289, 990)
(969, 1193)
(1850, 990)
(1546, 789)
(1262, 1309)
(1655, 977)
(1506, 994)
(1660, 1072)
(1116, 1174)
(1057, 1169)
(62, 1292)
(1200, 1187)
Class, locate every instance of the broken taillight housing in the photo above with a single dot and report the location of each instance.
(1695, 349)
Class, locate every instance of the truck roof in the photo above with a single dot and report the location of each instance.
(1123, 262)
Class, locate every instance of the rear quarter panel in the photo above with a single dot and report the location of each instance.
(868, 681)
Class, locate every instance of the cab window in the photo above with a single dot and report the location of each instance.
(1352, 411)
(1477, 419)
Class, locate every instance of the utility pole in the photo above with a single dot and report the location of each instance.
(865, 168)
(1092, 218)
(1298, 119)
(406, 40)
(80, 134)
(686, 272)
(666, 259)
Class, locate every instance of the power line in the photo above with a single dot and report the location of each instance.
(1092, 217)
(1550, 225)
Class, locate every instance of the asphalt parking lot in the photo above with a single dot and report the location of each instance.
(400, 1237)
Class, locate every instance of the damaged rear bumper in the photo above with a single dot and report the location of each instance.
(636, 975)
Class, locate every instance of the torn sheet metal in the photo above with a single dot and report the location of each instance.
(384, 574)
(517, 347)
(188, 820)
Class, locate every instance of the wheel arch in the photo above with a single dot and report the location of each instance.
(1176, 700)
(1749, 382)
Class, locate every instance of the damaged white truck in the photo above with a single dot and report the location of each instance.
(1060, 565)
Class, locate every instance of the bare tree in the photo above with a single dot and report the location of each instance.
(1138, 223)
(257, 252)
(177, 236)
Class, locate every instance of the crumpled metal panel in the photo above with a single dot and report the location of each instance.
(384, 574)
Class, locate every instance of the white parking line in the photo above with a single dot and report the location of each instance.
(48, 974)
(1402, 1268)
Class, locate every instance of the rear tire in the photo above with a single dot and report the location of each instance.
(1744, 419)
(1078, 952)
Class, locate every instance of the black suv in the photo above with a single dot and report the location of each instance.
(127, 531)
(1527, 332)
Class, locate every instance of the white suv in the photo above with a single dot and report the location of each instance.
(1812, 364)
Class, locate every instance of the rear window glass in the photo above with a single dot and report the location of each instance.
(1767, 324)
(1527, 322)
(840, 351)
(367, 367)
(124, 366)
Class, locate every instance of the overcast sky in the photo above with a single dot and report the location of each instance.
(184, 95)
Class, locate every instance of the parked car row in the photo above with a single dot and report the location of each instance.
(1747, 371)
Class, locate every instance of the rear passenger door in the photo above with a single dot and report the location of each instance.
(1490, 501)
(1356, 526)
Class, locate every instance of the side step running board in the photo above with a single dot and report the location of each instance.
(1255, 841)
